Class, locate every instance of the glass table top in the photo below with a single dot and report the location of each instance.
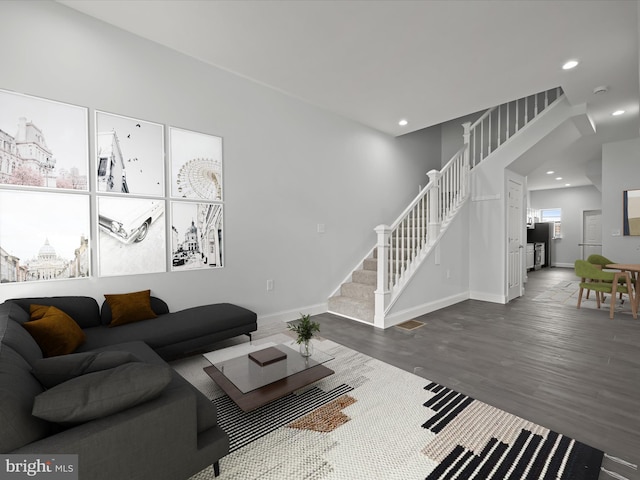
(247, 375)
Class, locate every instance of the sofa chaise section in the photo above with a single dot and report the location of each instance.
(175, 334)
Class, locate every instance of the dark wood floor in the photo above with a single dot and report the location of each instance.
(574, 371)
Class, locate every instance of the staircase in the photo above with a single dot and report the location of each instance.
(355, 299)
(367, 294)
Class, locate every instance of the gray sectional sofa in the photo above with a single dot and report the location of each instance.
(141, 420)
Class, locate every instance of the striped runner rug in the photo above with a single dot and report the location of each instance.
(371, 420)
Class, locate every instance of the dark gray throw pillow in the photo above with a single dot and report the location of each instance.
(103, 393)
(52, 371)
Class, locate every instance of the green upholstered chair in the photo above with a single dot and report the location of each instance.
(593, 278)
(596, 259)
(601, 262)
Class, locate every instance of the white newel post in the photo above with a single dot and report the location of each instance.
(466, 137)
(382, 292)
(466, 165)
(433, 226)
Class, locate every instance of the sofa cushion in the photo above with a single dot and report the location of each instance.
(17, 391)
(158, 306)
(130, 307)
(55, 332)
(84, 310)
(206, 412)
(99, 394)
(55, 370)
(14, 335)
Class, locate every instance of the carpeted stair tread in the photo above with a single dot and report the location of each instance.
(352, 307)
(370, 264)
(368, 277)
(358, 290)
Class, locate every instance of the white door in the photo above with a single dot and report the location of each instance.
(515, 245)
(591, 233)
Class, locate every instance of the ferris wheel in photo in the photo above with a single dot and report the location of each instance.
(200, 178)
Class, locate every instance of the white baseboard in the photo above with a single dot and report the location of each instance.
(565, 265)
(488, 297)
(411, 313)
(289, 315)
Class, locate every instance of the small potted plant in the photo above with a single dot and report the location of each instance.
(305, 329)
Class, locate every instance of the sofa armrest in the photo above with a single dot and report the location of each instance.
(148, 441)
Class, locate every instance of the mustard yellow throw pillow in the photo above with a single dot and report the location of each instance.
(130, 307)
(55, 332)
(38, 311)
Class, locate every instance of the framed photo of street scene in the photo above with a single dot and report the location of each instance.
(43, 143)
(131, 236)
(196, 235)
(44, 236)
(129, 155)
(196, 165)
(631, 212)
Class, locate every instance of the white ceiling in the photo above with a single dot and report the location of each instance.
(427, 61)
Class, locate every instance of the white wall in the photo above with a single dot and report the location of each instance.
(288, 165)
(620, 172)
(573, 202)
(443, 278)
(487, 217)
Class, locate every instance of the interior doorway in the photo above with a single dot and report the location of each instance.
(591, 233)
(515, 243)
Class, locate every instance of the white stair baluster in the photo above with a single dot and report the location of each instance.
(499, 124)
(546, 99)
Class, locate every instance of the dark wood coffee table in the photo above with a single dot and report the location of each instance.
(251, 385)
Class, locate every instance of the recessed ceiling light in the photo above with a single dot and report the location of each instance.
(567, 184)
(570, 64)
(402, 122)
(550, 172)
(558, 178)
(617, 112)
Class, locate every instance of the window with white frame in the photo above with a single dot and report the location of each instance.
(553, 215)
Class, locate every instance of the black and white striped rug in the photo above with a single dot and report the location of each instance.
(371, 420)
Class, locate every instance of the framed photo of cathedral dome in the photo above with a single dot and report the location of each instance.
(196, 235)
(44, 236)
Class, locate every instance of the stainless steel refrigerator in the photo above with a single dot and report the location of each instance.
(543, 233)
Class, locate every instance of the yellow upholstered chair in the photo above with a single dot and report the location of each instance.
(602, 282)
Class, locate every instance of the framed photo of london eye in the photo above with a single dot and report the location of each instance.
(196, 235)
(43, 143)
(44, 236)
(196, 165)
(129, 155)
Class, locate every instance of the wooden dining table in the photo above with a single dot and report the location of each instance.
(631, 272)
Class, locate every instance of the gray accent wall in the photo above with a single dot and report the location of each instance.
(288, 166)
(452, 135)
(573, 201)
(620, 172)
(423, 145)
